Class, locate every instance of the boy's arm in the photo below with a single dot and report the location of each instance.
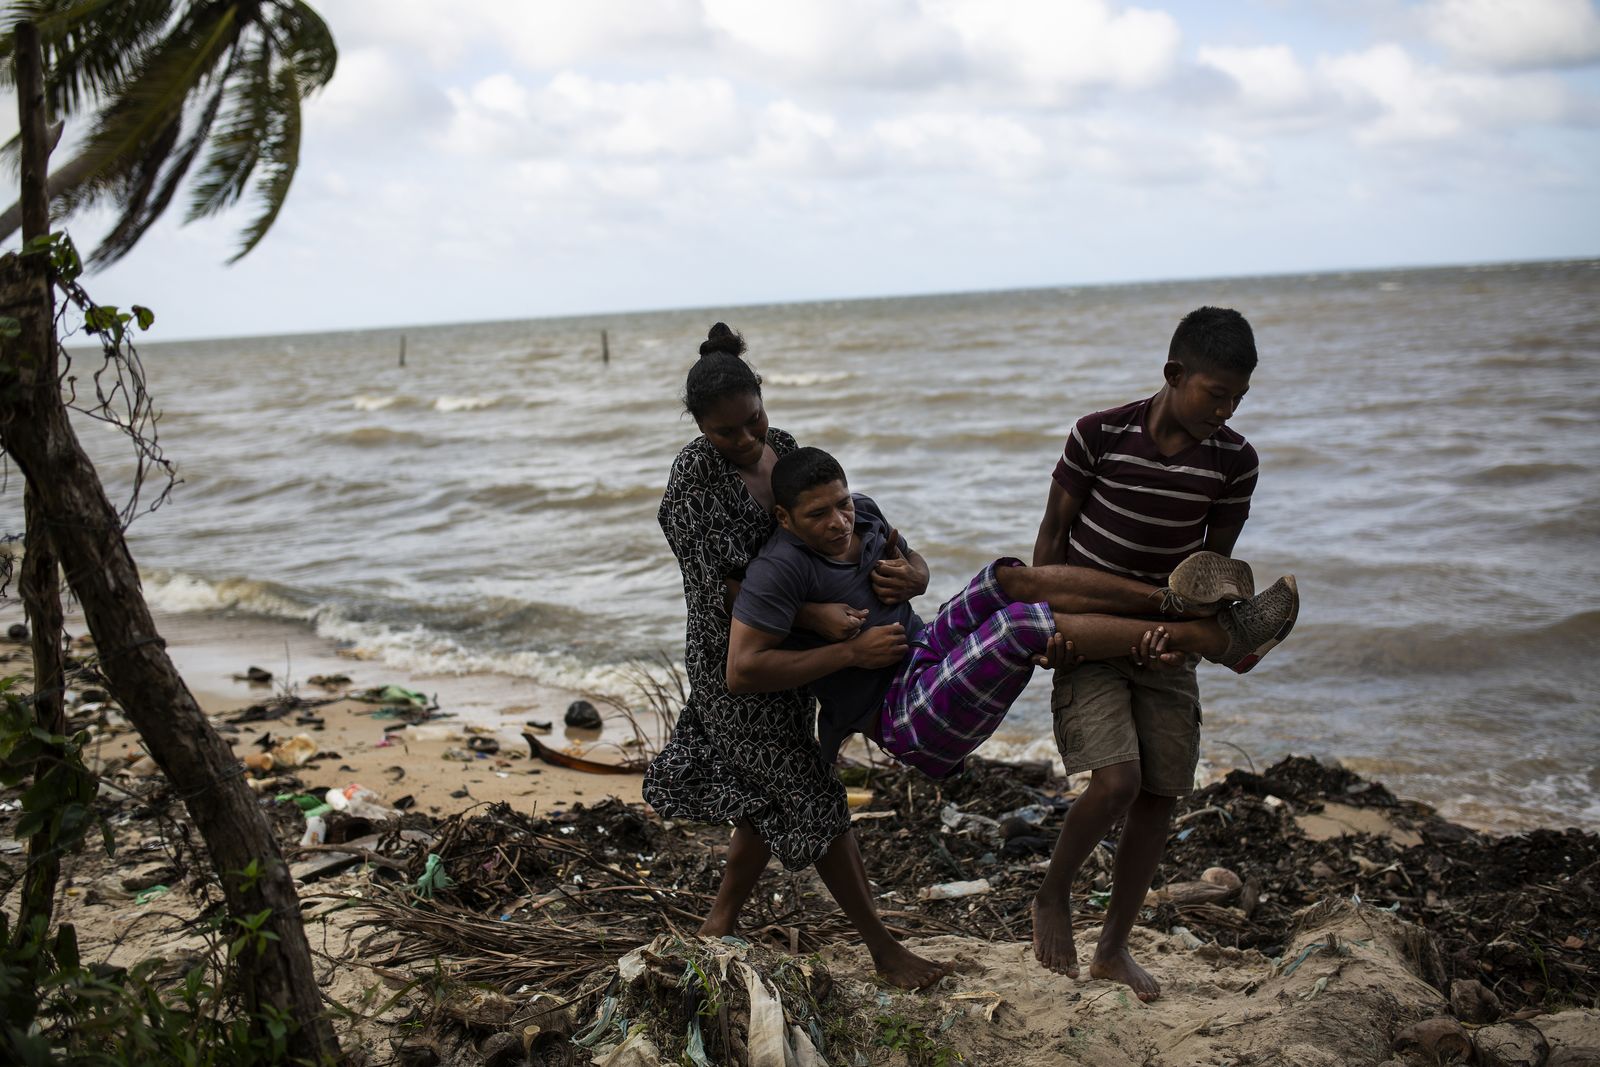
(757, 665)
(1060, 510)
(1221, 539)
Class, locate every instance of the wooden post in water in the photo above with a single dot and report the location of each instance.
(605, 348)
(402, 350)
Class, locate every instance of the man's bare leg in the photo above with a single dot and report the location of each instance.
(846, 878)
(1080, 590)
(1100, 637)
(747, 858)
(1139, 850)
(1111, 791)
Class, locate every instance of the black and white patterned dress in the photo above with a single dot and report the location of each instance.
(751, 756)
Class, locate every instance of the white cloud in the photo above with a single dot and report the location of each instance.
(1516, 34)
(372, 90)
(995, 145)
(1410, 101)
(862, 42)
(673, 117)
(1056, 48)
(1269, 78)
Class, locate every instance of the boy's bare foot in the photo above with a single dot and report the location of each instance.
(1053, 944)
(901, 967)
(714, 926)
(1119, 967)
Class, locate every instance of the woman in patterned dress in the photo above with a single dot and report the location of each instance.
(751, 759)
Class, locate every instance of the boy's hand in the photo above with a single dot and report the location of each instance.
(831, 622)
(1152, 652)
(894, 579)
(1058, 654)
(879, 646)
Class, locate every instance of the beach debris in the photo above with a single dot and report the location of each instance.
(329, 681)
(360, 802)
(1443, 1040)
(258, 762)
(1473, 1002)
(501, 1050)
(962, 822)
(433, 878)
(295, 752)
(17, 631)
(857, 798)
(486, 745)
(461, 754)
(316, 830)
(537, 724)
(954, 890)
(579, 763)
(1516, 1044)
(255, 676)
(392, 694)
(582, 715)
(987, 999)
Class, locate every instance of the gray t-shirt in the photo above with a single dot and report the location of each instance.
(787, 575)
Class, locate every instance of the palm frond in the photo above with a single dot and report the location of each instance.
(131, 227)
(237, 143)
(282, 155)
(304, 38)
(127, 128)
(91, 47)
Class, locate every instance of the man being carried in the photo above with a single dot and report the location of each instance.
(930, 694)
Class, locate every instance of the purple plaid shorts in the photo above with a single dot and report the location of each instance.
(963, 674)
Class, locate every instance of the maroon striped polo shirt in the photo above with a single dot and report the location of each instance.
(1143, 512)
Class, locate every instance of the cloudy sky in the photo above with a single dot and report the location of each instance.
(488, 159)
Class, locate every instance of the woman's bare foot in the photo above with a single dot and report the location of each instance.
(1053, 945)
(716, 926)
(1119, 967)
(901, 967)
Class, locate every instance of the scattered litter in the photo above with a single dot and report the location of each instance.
(953, 890)
(582, 715)
(255, 676)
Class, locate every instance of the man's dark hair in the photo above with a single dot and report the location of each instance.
(720, 372)
(1213, 339)
(802, 469)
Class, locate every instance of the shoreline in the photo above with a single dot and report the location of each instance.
(210, 647)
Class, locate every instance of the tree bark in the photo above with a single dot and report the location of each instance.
(40, 581)
(87, 536)
(40, 588)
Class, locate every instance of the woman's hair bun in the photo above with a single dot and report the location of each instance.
(722, 338)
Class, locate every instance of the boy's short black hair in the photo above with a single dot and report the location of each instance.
(1213, 339)
(802, 469)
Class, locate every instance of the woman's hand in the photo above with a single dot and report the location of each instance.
(831, 622)
(896, 579)
(879, 646)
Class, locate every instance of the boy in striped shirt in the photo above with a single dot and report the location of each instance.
(1137, 489)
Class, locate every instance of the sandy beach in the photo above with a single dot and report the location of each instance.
(1326, 877)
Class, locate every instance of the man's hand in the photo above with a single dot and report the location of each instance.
(831, 622)
(1151, 651)
(1058, 654)
(879, 646)
(896, 579)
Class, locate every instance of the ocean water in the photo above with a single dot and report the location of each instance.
(1430, 471)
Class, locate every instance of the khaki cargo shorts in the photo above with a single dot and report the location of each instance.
(1113, 711)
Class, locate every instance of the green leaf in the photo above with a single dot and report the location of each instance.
(145, 316)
